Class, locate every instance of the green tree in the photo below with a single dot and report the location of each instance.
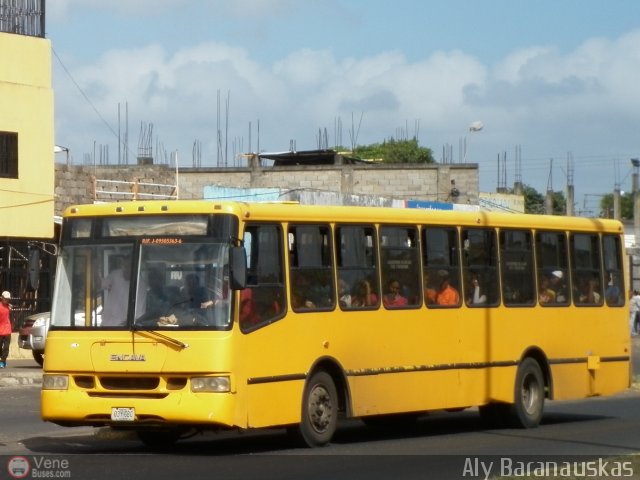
(396, 151)
(534, 201)
(626, 205)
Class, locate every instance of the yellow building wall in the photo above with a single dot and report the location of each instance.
(26, 108)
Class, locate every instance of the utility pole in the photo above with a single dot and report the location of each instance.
(636, 200)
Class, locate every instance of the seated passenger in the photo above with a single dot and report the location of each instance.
(429, 291)
(588, 291)
(196, 293)
(157, 300)
(545, 293)
(248, 311)
(393, 298)
(446, 294)
(364, 296)
(476, 295)
(344, 297)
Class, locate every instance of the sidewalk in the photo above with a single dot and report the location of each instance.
(20, 372)
(21, 369)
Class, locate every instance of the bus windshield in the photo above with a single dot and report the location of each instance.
(146, 284)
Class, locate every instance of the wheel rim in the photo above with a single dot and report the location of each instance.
(530, 394)
(320, 409)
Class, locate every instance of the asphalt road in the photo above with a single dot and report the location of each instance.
(439, 446)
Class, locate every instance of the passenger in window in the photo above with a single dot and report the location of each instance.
(248, 312)
(556, 284)
(116, 287)
(364, 297)
(157, 300)
(588, 290)
(393, 298)
(476, 294)
(612, 293)
(196, 293)
(344, 297)
(446, 294)
(545, 293)
(430, 293)
(309, 292)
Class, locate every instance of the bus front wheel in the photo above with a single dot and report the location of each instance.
(319, 410)
(529, 395)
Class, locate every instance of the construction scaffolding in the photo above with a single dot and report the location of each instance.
(121, 190)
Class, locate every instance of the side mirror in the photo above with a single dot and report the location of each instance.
(34, 268)
(237, 268)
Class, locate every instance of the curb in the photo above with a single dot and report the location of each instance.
(15, 379)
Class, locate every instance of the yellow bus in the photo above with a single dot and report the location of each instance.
(177, 317)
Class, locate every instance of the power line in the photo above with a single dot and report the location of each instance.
(84, 94)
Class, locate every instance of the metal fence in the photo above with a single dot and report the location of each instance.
(14, 277)
(23, 17)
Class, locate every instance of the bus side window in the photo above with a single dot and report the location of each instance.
(516, 257)
(263, 300)
(614, 288)
(552, 268)
(441, 267)
(480, 259)
(586, 273)
(311, 268)
(400, 267)
(357, 267)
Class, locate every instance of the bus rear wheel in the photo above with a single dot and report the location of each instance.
(528, 404)
(319, 410)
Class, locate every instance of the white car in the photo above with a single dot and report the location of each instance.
(26, 334)
(37, 333)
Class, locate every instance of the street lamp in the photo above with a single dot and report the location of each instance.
(474, 127)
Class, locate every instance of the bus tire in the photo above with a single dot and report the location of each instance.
(528, 404)
(38, 357)
(319, 410)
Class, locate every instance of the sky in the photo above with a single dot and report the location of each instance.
(555, 83)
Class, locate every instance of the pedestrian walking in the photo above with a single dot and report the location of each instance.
(634, 312)
(5, 327)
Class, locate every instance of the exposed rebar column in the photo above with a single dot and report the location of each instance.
(570, 203)
(548, 203)
(636, 201)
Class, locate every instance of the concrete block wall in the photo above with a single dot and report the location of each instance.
(403, 182)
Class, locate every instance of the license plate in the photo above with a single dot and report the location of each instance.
(123, 414)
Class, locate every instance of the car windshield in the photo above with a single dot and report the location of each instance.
(181, 285)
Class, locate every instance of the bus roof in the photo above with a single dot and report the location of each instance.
(294, 212)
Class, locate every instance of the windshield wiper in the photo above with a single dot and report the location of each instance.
(161, 336)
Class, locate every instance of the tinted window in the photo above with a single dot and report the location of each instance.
(480, 265)
(586, 273)
(518, 275)
(311, 268)
(441, 267)
(357, 272)
(399, 250)
(552, 268)
(612, 253)
(264, 299)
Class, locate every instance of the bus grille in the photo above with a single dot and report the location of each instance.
(129, 383)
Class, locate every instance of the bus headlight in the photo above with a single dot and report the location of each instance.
(210, 384)
(55, 382)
